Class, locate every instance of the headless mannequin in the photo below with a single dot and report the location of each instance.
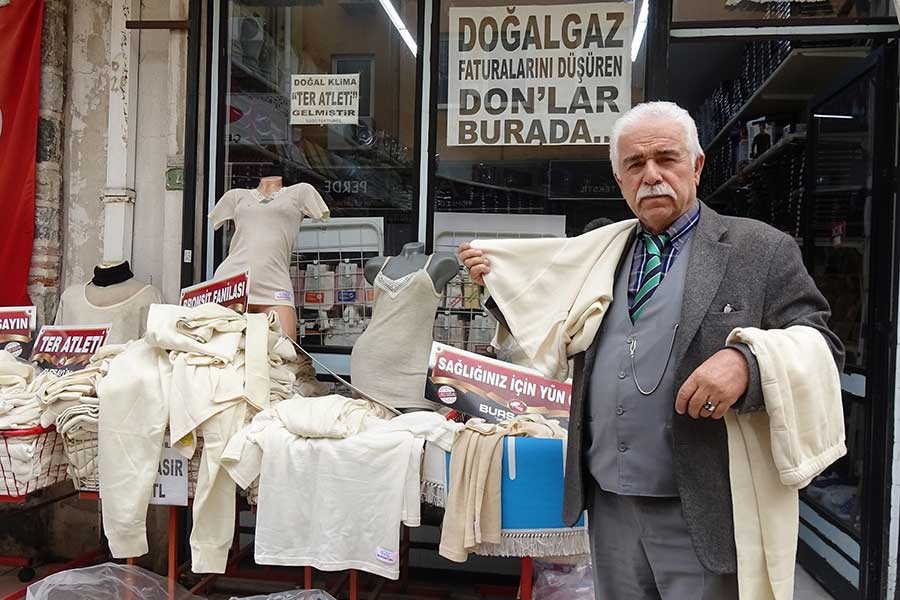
(287, 315)
(112, 296)
(112, 283)
(412, 257)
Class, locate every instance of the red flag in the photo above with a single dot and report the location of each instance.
(20, 86)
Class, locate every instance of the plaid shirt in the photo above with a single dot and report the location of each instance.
(679, 233)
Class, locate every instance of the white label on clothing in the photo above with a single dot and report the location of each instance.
(386, 556)
(171, 485)
(283, 295)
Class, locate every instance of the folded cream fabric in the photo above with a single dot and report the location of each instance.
(190, 329)
(576, 273)
(774, 453)
(13, 372)
(326, 416)
(425, 425)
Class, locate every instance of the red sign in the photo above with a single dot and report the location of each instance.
(63, 349)
(20, 78)
(17, 330)
(230, 292)
(494, 390)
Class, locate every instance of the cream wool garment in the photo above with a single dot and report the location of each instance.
(20, 392)
(572, 276)
(147, 388)
(773, 454)
(366, 484)
(472, 517)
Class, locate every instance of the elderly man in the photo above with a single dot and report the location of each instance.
(647, 454)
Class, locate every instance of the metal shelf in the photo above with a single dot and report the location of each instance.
(759, 161)
(799, 77)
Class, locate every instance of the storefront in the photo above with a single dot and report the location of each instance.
(796, 104)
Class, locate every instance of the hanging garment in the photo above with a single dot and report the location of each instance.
(265, 230)
(186, 374)
(319, 287)
(472, 515)
(347, 496)
(525, 271)
(390, 359)
(774, 453)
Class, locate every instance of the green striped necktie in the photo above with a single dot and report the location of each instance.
(653, 272)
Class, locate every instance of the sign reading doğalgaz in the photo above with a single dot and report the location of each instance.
(325, 99)
(231, 292)
(535, 75)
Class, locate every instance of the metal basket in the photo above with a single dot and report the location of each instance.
(30, 460)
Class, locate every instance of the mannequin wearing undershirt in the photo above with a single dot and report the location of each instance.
(390, 359)
(287, 316)
(266, 221)
(112, 296)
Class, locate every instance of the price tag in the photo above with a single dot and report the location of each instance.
(171, 485)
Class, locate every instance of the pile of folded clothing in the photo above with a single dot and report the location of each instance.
(20, 387)
(70, 402)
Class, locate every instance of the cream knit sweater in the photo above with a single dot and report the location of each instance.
(773, 454)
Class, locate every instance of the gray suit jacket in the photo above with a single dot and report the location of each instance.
(759, 271)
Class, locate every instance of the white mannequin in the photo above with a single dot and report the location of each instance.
(112, 296)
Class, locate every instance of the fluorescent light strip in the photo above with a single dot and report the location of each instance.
(640, 30)
(388, 7)
(819, 116)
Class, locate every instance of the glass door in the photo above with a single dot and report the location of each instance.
(847, 242)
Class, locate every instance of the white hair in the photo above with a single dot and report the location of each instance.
(664, 110)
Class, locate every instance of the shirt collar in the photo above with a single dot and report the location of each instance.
(682, 224)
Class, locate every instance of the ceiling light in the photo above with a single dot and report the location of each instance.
(388, 7)
(824, 116)
(640, 30)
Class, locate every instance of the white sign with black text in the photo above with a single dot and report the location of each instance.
(171, 485)
(538, 75)
(325, 99)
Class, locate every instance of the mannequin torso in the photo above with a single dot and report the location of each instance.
(442, 268)
(113, 296)
(287, 316)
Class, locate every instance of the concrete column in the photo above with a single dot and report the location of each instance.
(118, 196)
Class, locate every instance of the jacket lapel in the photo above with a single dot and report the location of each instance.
(706, 268)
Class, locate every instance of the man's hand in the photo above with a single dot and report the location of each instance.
(475, 262)
(720, 380)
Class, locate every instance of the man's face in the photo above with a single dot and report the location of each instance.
(656, 174)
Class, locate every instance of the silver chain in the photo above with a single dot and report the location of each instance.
(632, 345)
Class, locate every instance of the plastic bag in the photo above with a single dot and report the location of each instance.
(563, 581)
(293, 595)
(108, 581)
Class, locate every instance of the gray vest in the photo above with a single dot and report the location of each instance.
(630, 449)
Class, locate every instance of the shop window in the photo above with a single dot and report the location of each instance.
(684, 11)
(808, 168)
(364, 167)
(510, 161)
